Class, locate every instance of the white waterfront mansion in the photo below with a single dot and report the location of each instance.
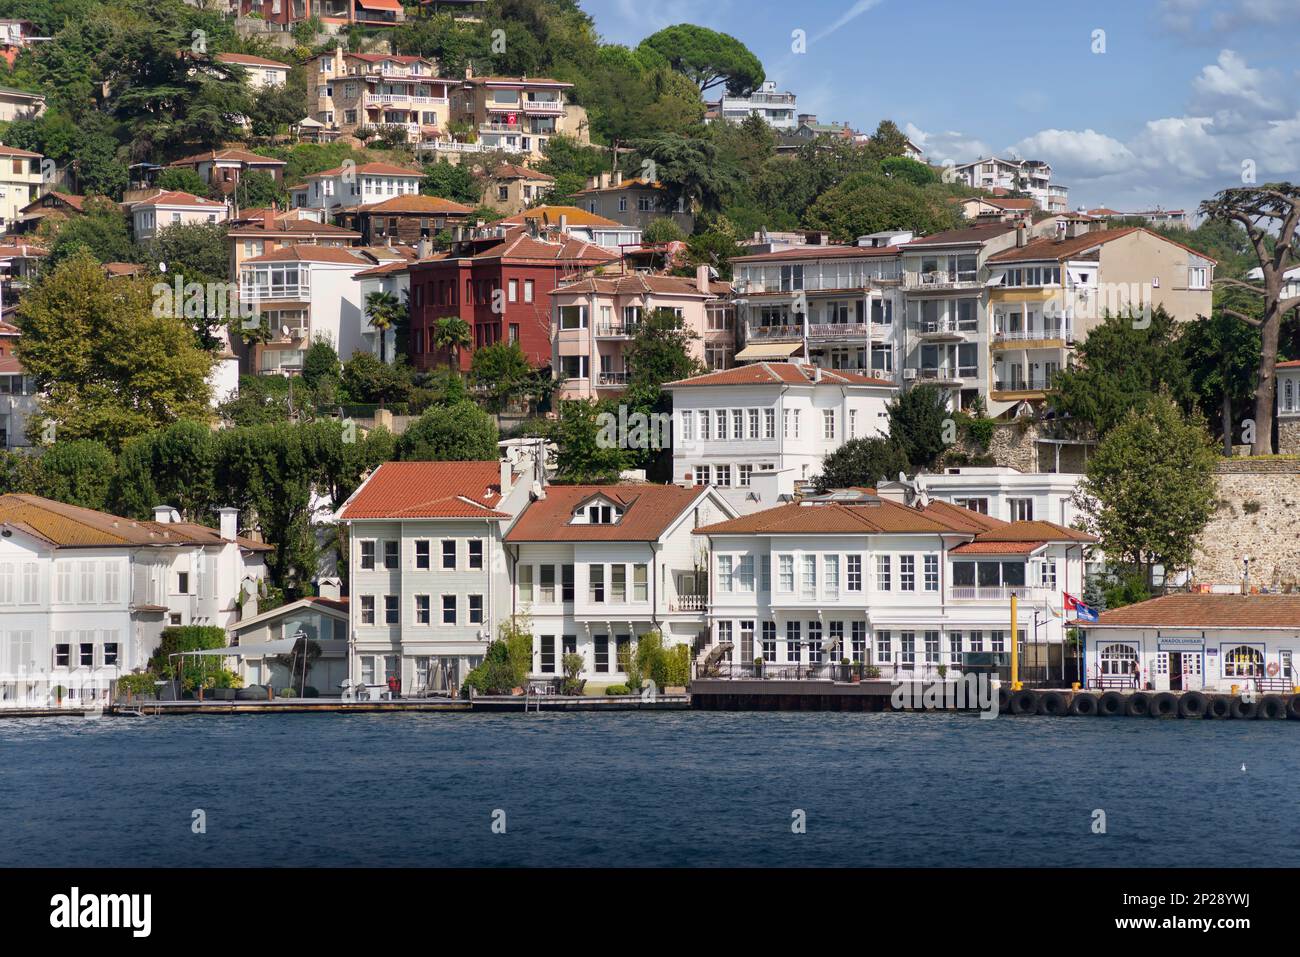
(907, 588)
(85, 596)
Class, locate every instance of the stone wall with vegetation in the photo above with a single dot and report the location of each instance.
(1016, 444)
(1258, 505)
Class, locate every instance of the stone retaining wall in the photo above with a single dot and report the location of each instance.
(1258, 516)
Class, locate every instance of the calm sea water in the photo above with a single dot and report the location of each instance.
(675, 789)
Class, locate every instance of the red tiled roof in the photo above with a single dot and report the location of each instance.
(245, 59)
(415, 203)
(1289, 364)
(308, 253)
(177, 198)
(997, 548)
(969, 235)
(293, 227)
(831, 518)
(521, 80)
(648, 511)
(637, 284)
(384, 269)
(242, 156)
(428, 490)
(511, 171)
(778, 373)
(1059, 249)
(14, 151)
(520, 247)
(1198, 610)
(71, 526)
(1004, 203)
(551, 215)
(1033, 531)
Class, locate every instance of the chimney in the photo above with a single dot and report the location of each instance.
(604, 180)
(425, 247)
(1020, 235)
(165, 514)
(702, 278)
(618, 177)
(593, 182)
(564, 223)
(329, 588)
(268, 219)
(229, 523)
(469, 71)
(507, 476)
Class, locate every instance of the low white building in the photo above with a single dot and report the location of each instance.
(756, 432)
(85, 596)
(171, 208)
(393, 278)
(596, 566)
(906, 588)
(429, 579)
(1192, 641)
(320, 619)
(1005, 493)
(356, 185)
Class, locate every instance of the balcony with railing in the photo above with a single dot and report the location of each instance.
(996, 593)
(385, 98)
(944, 330)
(611, 380)
(942, 279)
(1032, 383)
(286, 292)
(551, 106)
(946, 376)
(1060, 333)
(788, 333)
(688, 603)
(616, 330)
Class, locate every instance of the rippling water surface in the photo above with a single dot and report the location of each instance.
(676, 789)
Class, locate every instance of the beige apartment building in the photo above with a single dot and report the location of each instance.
(633, 202)
(1048, 293)
(20, 183)
(351, 92)
(517, 114)
(511, 189)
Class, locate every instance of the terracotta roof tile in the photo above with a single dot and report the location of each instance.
(376, 169)
(415, 203)
(1193, 610)
(997, 548)
(242, 156)
(306, 252)
(1059, 249)
(428, 490)
(70, 526)
(245, 59)
(551, 215)
(820, 252)
(969, 235)
(648, 512)
(831, 518)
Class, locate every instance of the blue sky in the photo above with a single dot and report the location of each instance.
(1184, 94)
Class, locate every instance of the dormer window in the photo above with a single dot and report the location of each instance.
(597, 511)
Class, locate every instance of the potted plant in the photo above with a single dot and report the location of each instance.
(846, 668)
(943, 672)
(758, 667)
(855, 673)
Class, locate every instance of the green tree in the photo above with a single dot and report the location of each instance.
(320, 365)
(707, 58)
(689, 169)
(868, 203)
(660, 351)
(100, 231)
(367, 379)
(384, 311)
(909, 170)
(258, 190)
(277, 107)
(455, 433)
(662, 230)
(196, 252)
(76, 471)
(453, 334)
(917, 420)
(862, 463)
(1122, 363)
(76, 323)
(182, 179)
(502, 370)
(453, 181)
(1149, 487)
(582, 455)
(888, 141)
(1221, 355)
(173, 466)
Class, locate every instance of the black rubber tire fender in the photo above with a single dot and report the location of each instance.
(1242, 710)
(1293, 707)
(1024, 702)
(1111, 704)
(1084, 705)
(1163, 705)
(1192, 704)
(1052, 703)
(1218, 707)
(1138, 705)
(1272, 707)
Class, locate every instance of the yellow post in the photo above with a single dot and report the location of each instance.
(1015, 653)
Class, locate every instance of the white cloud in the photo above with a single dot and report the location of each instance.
(1078, 154)
(948, 146)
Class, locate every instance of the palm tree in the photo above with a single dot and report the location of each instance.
(453, 334)
(384, 312)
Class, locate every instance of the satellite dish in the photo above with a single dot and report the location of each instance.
(162, 267)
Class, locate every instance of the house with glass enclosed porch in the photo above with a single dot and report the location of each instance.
(907, 588)
(1196, 641)
(596, 566)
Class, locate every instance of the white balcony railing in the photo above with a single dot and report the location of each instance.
(615, 330)
(689, 603)
(1023, 335)
(543, 106)
(298, 293)
(996, 593)
(611, 378)
(942, 279)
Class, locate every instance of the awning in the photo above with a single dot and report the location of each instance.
(380, 4)
(281, 646)
(995, 279)
(769, 350)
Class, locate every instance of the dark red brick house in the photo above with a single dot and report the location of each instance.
(465, 283)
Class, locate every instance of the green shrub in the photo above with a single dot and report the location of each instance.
(572, 664)
(676, 666)
(618, 689)
(137, 683)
